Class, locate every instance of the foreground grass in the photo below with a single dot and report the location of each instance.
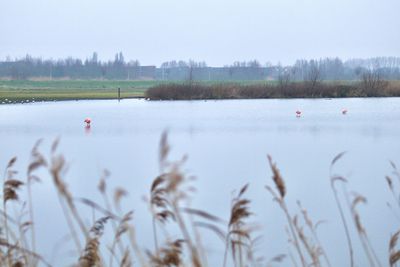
(168, 201)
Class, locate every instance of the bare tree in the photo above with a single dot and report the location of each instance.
(313, 77)
(284, 78)
(192, 65)
(372, 82)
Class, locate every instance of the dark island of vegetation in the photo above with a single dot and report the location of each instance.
(371, 85)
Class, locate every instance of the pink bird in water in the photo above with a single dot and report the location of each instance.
(87, 121)
(298, 113)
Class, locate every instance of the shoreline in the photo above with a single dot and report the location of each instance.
(178, 100)
(27, 92)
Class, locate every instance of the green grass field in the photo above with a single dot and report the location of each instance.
(18, 91)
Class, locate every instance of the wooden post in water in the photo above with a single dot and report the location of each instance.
(119, 94)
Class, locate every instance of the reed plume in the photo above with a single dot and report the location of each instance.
(277, 178)
(91, 255)
(170, 255)
(159, 205)
(10, 189)
(280, 199)
(238, 234)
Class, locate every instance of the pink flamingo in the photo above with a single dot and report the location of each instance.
(344, 111)
(298, 113)
(88, 121)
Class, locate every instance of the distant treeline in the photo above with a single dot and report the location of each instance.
(332, 69)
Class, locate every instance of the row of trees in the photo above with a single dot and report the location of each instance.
(90, 68)
(373, 77)
(119, 68)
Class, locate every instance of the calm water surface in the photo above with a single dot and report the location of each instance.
(227, 143)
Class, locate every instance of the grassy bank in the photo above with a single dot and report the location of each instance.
(14, 91)
(24, 90)
(192, 91)
(176, 224)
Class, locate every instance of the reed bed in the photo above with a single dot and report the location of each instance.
(196, 91)
(168, 203)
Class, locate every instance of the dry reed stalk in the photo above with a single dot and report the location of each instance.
(134, 245)
(68, 218)
(391, 185)
(23, 227)
(10, 187)
(120, 230)
(368, 249)
(396, 172)
(163, 151)
(24, 251)
(394, 255)
(57, 169)
(159, 205)
(103, 190)
(313, 250)
(280, 199)
(119, 193)
(313, 230)
(172, 194)
(396, 198)
(238, 232)
(97, 207)
(175, 179)
(210, 223)
(37, 161)
(126, 259)
(333, 180)
(292, 258)
(253, 247)
(191, 221)
(276, 259)
(57, 166)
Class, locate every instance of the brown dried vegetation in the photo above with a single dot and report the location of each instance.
(169, 203)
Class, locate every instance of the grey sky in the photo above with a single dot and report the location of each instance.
(217, 31)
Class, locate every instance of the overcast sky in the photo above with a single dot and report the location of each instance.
(216, 31)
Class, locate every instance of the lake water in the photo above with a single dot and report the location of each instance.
(227, 143)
